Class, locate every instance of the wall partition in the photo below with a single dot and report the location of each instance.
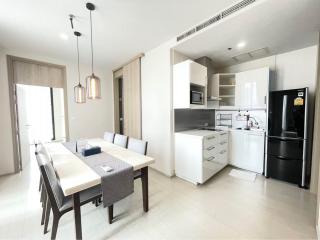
(127, 98)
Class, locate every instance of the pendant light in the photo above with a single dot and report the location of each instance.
(79, 90)
(92, 81)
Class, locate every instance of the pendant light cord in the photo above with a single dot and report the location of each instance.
(78, 59)
(91, 42)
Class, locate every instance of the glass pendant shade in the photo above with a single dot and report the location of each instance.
(79, 94)
(93, 87)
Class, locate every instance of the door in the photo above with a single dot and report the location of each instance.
(252, 88)
(131, 84)
(243, 90)
(236, 144)
(24, 125)
(247, 150)
(259, 87)
(254, 152)
(287, 113)
(59, 127)
(198, 74)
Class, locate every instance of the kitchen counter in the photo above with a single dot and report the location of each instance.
(200, 132)
(199, 154)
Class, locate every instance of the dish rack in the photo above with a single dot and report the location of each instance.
(224, 120)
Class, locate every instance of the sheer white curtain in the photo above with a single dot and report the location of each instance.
(39, 115)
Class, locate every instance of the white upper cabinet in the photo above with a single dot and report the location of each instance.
(197, 73)
(189, 75)
(252, 88)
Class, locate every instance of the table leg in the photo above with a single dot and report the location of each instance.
(77, 215)
(110, 213)
(145, 194)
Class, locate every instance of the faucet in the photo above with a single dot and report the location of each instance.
(247, 115)
(255, 121)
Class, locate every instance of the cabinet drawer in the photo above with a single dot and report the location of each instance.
(209, 169)
(210, 151)
(210, 158)
(222, 155)
(210, 141)
(223, 143)
(223, 136)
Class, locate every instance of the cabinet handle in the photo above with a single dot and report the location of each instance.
(210, 158)
(209, 138)
(222, 143)
(221, 134)
(265, 99)
(223, 151)
(210, 148)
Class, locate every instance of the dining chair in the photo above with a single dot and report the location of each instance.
(58, 203)
(120, 140)
(108, 136)
(43, 193)
(137, 145)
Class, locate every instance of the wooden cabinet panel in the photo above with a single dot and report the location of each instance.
(132, 99)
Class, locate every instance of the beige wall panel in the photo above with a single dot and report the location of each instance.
(132, 99)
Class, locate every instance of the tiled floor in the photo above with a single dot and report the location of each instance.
(225, 207)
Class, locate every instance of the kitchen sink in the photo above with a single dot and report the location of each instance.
(250, 129)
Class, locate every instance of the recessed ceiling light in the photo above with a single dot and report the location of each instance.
(64, 36)
(241, 44)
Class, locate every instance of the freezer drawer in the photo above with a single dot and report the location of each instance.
(291, 149)
(284, 169)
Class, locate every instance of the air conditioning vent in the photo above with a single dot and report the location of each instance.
(209, 22)
(218, 17)
(186, 34)
(236, 7)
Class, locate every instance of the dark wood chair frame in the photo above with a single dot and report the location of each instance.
(52, 204)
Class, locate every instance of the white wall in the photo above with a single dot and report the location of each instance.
(156, 94)
(295, 69)
(85, 120)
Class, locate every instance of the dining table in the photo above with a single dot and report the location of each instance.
(75, 175)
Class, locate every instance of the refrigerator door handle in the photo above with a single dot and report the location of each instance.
(286, 138)
(285, 158)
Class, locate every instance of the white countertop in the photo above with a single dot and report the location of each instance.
(201, 133)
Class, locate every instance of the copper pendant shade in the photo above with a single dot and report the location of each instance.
(93, 83)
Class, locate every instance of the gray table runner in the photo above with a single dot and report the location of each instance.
(116, 184)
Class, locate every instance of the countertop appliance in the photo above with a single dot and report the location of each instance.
(287, 138)
(196, 97)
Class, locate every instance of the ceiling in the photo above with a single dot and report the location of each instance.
(122, 28)
(279, 26)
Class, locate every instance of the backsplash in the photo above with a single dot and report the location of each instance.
(186, 119)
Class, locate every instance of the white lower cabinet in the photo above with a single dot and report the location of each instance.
(200, 154)
(247, 149)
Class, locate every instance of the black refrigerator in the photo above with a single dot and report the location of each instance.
(287, 137)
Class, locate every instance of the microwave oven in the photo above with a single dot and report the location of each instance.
(196, 97)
